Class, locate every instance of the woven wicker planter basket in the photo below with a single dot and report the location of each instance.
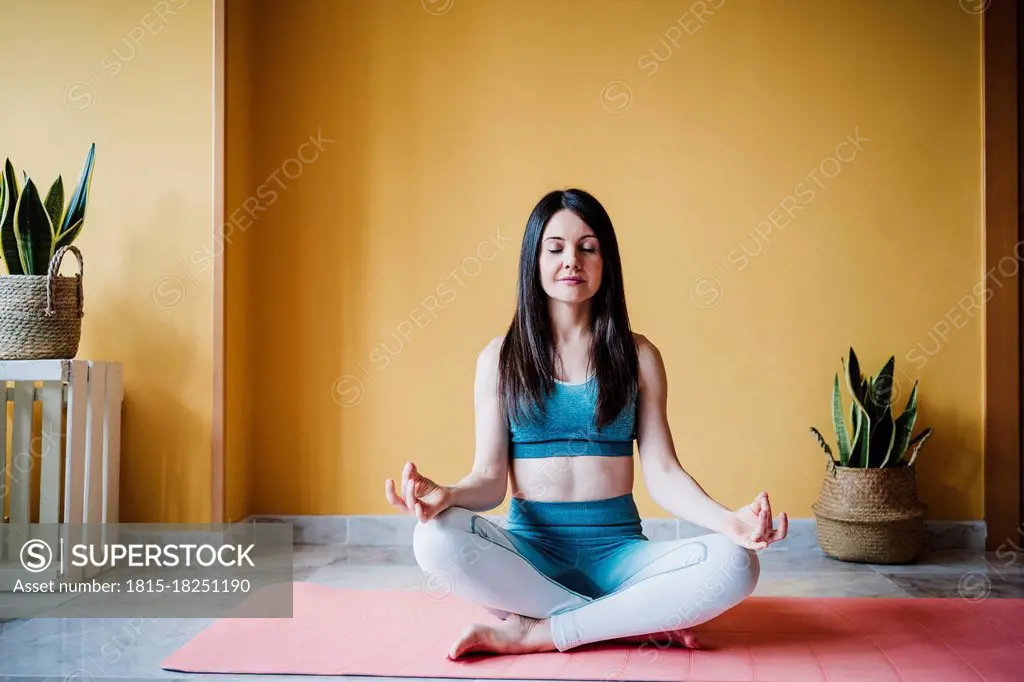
(41, 315)
(870, 515)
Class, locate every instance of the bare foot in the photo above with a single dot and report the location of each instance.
(681, 637)
(515, 635)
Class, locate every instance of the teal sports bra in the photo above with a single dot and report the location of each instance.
(569, 429)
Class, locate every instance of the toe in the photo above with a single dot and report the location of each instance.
(459, 646)
(467, 643)
(457, 650)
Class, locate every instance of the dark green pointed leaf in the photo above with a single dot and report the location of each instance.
(68, 236)
(905, 426)
(842, 435)
(3, 202)
(859, 456)
(912, 399)
(884, 382)
(55, 203)
(881, 440)
(855, 379)
(880, 389)
(74, 216)
(859, 449)
(855, 426)
(33, 231)
(8, 240)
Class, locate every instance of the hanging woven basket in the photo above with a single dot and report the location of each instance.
(41, 315)
(870, 515)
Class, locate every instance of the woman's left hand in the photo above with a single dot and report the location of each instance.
(751, 526)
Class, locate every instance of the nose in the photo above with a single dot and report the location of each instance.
(570, 259)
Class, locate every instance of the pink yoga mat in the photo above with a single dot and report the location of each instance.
(788, 639)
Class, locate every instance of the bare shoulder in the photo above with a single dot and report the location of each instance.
(487, 359)
(647, 353)
(651, 365)
(491, 352)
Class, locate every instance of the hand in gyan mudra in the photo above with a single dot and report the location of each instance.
(418, 496)
(751, 526)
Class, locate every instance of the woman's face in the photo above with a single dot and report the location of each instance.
(570, 259)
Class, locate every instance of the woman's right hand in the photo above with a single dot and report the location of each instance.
(418, 495)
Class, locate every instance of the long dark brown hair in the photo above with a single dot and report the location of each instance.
(526, 369)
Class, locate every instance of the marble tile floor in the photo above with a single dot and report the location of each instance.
(82, 650)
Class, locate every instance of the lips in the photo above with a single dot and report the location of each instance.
(571, 280)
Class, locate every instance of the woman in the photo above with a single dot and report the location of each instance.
(559, 401)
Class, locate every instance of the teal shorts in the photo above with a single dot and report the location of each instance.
(592, 548)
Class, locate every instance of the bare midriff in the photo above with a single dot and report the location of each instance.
(571, 479)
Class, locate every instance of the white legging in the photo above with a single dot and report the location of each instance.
(686, 582)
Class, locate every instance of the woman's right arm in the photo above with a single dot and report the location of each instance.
(484, 487)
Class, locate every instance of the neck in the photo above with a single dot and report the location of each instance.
(570, 322)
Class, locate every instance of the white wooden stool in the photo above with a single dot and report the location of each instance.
(81, 401)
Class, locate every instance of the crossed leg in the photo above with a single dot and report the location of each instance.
(482, 563)
(672, 586)
(661, 587)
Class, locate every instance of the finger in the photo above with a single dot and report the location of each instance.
(405, 479)
(755, 531)
(780, 532)
(754, 544)
(758, 504)
(410, 489)
(414, 480)
(392, 495)
(399, 501)
(420, 515)
(761, 528)
(767, 504)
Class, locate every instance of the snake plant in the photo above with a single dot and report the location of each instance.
(32, 228)
(877, 440)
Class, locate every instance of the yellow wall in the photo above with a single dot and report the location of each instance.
(446, 127)
(134, 77)
(379, 154)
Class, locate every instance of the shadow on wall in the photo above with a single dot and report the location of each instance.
(160, 463)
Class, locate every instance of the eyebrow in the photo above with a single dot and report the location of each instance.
(586, 236)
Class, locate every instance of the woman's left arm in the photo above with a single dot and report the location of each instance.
(674, 489)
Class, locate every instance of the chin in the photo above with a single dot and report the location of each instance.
(570, 296)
